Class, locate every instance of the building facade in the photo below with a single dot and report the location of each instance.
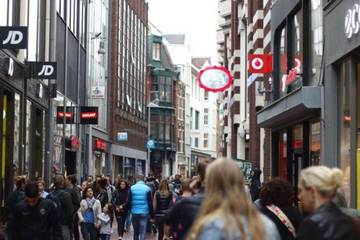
(203, 114)
(127, 106)
(339, 131)
(162, 85)
(180, 54)
(294, 110)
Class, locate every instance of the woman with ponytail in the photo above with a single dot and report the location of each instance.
(227, 212)
(317, 187)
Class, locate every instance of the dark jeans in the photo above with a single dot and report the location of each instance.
(139, 222)
(121, 219)
(88, 231)
(159, 219)
(105, 237)
(76, 227)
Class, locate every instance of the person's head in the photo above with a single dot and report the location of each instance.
(177, 177)
(201, 169)
(140, 178)
(71, 180)
(278, 192)
(90, 178)
(58, 181)
(20, 182)
(164, 187)
(318, 185)
(88, 193)
(41, 185)
(226, 198)
(256, 173)
(102, 183)
(84, 184)
(108, 208)
(122, 185)
(32, 193)
(185, 185)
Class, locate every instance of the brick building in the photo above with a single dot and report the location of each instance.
(128, 61)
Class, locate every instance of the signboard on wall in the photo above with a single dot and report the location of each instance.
(13, 37)
(122, 136)
(215, 79)
(89, 115)
(69, 115)
(98, 92)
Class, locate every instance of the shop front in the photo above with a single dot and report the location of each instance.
(294, 112)
(342, 94)
(100, 156)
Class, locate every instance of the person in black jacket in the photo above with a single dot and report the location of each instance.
(119, 200)
(75, 192)
(255, 184)
(35, 217)
(66, 205)
(15, 197)
(317, 188)
(102, 195)
(277, 203)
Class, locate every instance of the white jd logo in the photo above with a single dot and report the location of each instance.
(13, 38)
(352, 21)
(46, 70)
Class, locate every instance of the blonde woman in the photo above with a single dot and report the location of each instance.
(227, 212)
(317, 187)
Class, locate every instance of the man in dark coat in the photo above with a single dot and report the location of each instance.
(255, 184)
(35, 217)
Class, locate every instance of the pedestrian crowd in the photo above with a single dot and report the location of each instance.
(216, 204)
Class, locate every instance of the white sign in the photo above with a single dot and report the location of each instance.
(352, 21)
(122, 136)
(98, 92)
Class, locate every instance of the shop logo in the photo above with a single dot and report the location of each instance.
(46, 70)
(13, 37)
(352, 21)
(43, 70)
(260, 63)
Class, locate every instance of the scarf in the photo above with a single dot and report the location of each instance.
(90, 202)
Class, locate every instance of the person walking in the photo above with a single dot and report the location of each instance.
(183, 214)
(90, 209)
(255, 184)
(277, 197)
(140, 202)
(41, 185)
(102, 195)
(121, 209)
(317, 187)
(227, 212)
(105, 218)
(63, 204)
(162, 200)
(75, 192)
(35, 217)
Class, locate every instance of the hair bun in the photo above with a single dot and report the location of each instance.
(337, 177)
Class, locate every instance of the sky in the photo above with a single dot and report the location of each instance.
(196, 18)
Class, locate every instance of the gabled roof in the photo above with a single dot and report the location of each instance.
(201, 62)
(175, 38)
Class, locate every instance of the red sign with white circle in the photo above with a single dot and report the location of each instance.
(260, 63)
(215, 79)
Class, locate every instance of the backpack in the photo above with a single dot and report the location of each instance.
(55, 198)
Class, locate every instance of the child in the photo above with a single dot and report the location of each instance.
(105, 218)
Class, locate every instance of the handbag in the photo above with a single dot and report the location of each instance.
(283, 218)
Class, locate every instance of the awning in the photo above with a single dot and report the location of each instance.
(296, 106)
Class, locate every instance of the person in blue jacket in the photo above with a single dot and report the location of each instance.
(140, 205)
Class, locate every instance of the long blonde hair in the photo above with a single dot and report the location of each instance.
(227, 199)
(164, 188)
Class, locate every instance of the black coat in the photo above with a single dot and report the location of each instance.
(293, 215)
(36, 223)
(121, 198)
(327, 223)
(255, 185)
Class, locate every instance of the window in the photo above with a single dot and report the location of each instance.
(197, 115)
(196, 142)
(283, 62)
(206, 116)
(316, 41)
(33, 30)
(191, 118)
(206, 140)
(156, 51)
(3, 12)
(206, 95)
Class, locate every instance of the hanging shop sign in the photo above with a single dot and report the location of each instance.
(352, 21)
(42, 70)
(98, 92)
(75, 142)
(13, 37)
(88, 115)
(288, 79)
(122, 136)
(215, 79)
(260, 63)
(100, 145)
(150, 144)
(69, 115)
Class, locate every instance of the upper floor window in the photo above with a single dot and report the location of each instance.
(206, 116)
(206, 95)
(156, 51)
(316, 40)
(197, 116)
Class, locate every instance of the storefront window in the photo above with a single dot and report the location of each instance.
(314, 143)
(283, 154)
(283, 62)
(58, 132)
(17, 145)
(345, 130)
(316, 40)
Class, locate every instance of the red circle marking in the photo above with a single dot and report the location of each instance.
(221, 89)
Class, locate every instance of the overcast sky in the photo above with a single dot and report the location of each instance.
(196, 18)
